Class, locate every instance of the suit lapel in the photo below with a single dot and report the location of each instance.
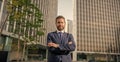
(57, 37)
(58, 40)
(63, 37)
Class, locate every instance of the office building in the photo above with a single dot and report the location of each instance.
(97, 29)
(49, 10)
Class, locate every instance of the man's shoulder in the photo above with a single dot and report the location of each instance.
(68, 33)
(52, 32)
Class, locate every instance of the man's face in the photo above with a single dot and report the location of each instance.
(60, 24)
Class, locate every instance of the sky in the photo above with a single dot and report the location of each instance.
(65, 9)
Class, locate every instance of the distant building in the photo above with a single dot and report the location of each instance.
(69, 26)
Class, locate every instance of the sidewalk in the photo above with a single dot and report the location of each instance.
(44, 61)
(41, 61)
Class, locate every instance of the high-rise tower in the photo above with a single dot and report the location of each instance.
(97, 28)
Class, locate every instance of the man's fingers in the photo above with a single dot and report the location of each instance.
(50, 44)
(55, 45)
(70, 42)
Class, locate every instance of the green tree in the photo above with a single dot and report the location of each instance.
(27, 18)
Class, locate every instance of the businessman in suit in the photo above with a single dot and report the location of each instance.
(60, 44)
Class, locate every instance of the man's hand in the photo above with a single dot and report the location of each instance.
(55, 45)
(70, 42)
(51, 44)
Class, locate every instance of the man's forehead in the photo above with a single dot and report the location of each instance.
(60, 19)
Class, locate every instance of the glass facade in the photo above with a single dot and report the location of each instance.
(49, 10)
(98, 26)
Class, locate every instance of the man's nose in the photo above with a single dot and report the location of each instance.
(60, 24)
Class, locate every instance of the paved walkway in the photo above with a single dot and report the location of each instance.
(42, 61)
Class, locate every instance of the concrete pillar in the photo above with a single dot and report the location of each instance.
(7, 46)
(8, 43)
(74, 56)
(74, 30)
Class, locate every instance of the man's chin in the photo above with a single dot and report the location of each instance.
(60, 29)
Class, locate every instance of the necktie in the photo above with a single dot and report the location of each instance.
(60, 35)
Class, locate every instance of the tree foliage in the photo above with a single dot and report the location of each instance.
(26, 17)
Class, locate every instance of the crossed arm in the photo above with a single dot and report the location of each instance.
(53, 47)
(51, 44)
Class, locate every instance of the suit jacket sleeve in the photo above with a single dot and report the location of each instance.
(68, 47)
(52, 49)
(49, 40)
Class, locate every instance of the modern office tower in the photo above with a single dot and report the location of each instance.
(98, 29)
(49, 11)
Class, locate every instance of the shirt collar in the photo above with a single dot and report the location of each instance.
(60, 31)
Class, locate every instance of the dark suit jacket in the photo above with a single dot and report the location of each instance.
(62, 53)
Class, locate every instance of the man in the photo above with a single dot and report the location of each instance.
(60, 44)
